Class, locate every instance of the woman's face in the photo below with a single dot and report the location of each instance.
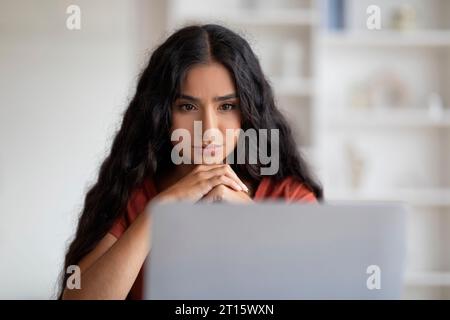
(208, 95)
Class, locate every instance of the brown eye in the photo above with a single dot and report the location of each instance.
(187, 107)
(227, 107)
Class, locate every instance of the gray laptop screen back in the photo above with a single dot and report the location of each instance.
(276, 251)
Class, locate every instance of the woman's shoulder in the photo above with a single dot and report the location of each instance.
(288, 188)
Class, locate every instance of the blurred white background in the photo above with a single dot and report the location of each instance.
(62, 95)
(374, 101)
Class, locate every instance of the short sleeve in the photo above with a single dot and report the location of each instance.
(289, 189)
(118, 227)
(135, 206)
(297, 191)
(303, 194)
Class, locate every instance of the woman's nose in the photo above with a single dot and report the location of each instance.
(211, 132)
(209, 119)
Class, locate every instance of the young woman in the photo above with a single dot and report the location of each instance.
(200, 73)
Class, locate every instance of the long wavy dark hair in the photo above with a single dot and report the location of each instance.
(141, 148)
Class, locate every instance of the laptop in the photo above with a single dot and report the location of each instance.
(275, 250)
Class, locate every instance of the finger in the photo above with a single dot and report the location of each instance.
(225, 169)
(207, 167)
(228, 171)
(223, 172)
(224, 180)
(232, 173)
(211, 197)
(205, 186)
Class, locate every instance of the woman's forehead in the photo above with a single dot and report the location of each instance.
(208, 81)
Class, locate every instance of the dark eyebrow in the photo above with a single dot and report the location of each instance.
(194, 99)
(226, 97)
(186, 97)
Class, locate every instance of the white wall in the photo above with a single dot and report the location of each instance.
(62, 94)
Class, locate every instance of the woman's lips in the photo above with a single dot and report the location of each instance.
(211, 148)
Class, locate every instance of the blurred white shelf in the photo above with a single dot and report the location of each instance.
(430, 278)
(385, 117)
(421, 56)
(292, 87)
(417, 38)
(426, 197)
(260, 17)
